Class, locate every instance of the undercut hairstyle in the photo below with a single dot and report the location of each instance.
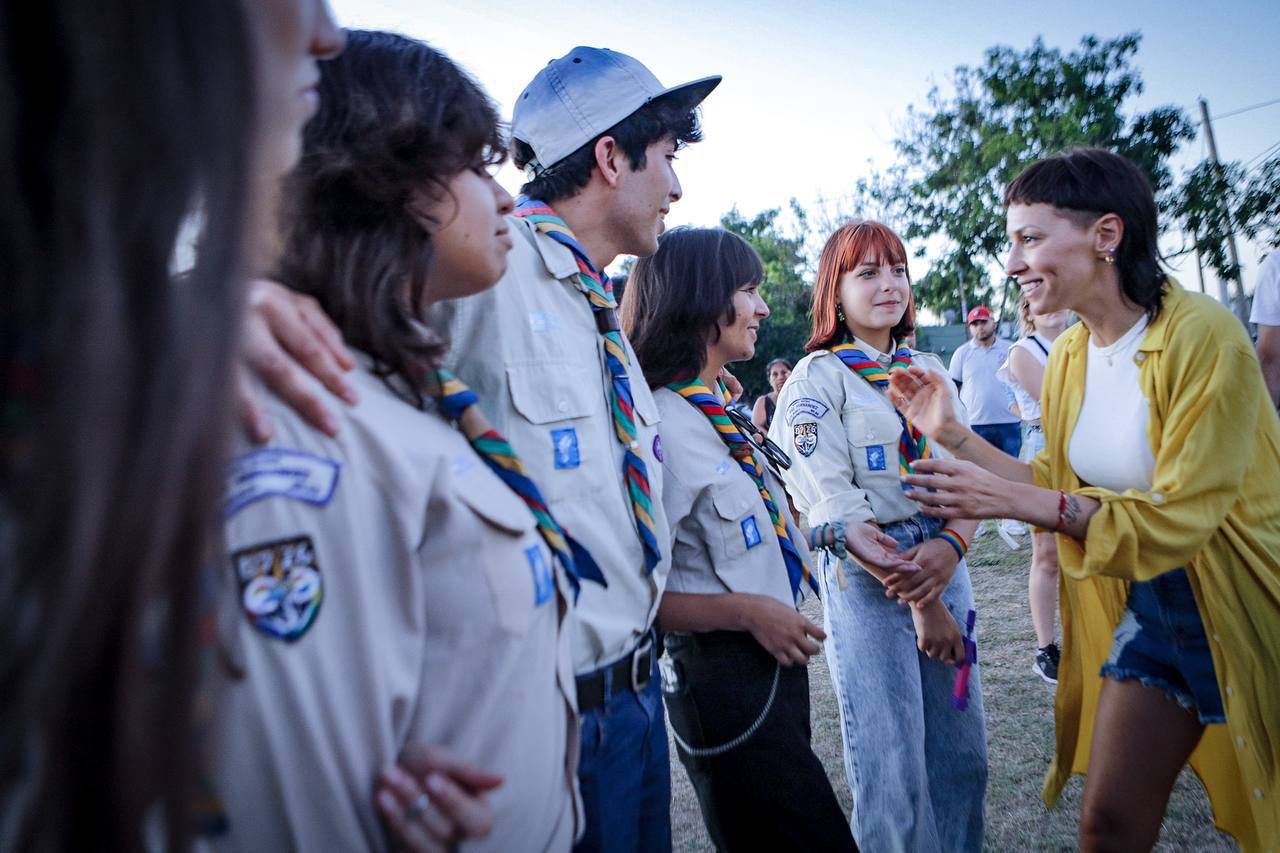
(396, 117)
(125, 127)
(1084, 184)
(670, 116)
(848, 247)
(677, 298)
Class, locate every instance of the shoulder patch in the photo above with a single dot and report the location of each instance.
(274, 472)
(810, 406)
(280, 586)
(806, 438)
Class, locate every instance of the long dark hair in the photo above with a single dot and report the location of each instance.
(118, 120)
(676, 298)
(1085, 184)
(396, 116)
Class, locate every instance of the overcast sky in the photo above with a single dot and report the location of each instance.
(814, 90)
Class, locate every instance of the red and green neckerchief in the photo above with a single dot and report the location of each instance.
(712, 405)
(912, 444)
(599, 292)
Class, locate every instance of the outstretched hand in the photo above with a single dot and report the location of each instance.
(952, 488)
(871, 546)
(924, 398)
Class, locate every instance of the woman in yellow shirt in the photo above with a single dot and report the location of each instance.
(1160, 478)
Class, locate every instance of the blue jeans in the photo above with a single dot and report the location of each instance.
(624, 771)
(917, 767)
(1006, 437)
(1160, 642)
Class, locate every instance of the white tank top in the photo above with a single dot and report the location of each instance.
(1039, 348)
(1109, 447)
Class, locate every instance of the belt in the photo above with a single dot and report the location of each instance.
(632, 672)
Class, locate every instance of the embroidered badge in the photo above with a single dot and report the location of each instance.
(875, 458)
(280, 586)
(543, 583)
(750, 532)
(806, 438)
(724, 467)
(542, 323)
(274, 471)
(806, 406)
(565, 443)
(657, 448)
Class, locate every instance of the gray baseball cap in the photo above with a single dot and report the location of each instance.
(582, 94)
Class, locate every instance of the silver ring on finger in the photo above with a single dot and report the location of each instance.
(419, 805)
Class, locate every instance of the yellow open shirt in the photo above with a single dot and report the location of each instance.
(1214, 507)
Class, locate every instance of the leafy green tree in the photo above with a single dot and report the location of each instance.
(784, 333)
(956, 155)
(1247, 202)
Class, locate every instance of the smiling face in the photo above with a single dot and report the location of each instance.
(737, 339)
(646, 196)
(469, 235)
(874, 296)
(1053, 259)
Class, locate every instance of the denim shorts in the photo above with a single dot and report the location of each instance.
(1161, 642)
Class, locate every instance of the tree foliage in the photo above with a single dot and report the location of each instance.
(784, 289)
(957, 154)
(1210, 203)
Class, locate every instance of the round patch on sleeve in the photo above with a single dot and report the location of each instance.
(657, 448)
(280, 586)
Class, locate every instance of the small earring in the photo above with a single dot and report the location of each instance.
(840, 313)
(1110, 256)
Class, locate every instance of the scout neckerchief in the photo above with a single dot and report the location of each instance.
(740, 449)
(599, 292)
(912, 444)
(460, 404)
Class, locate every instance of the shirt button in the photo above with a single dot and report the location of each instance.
(1140, 357)
(1230, 692)
(1157, 497)
(1217, 639)
(1257, 792)
(562, 406)
(1239, 741)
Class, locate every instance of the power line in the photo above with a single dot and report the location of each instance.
(1275, 146)
(1246, 109)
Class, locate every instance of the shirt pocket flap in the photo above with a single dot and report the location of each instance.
(873, 428)
(547, 393)
(490, 499)
(732, 504)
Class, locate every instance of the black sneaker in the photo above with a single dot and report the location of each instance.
(1046, 665)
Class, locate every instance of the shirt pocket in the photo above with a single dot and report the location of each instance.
(740, 528)
(873, 447)
(512, 556)
(562, 430)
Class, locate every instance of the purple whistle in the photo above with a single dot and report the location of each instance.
(960, 695)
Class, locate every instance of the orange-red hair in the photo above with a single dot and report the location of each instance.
(844, 251)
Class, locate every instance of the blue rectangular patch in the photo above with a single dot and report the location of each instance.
(565, 444)
(750, 533)
(274, 472)
(875, 458)
(543, 583)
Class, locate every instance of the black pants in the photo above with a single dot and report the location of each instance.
(771, 792)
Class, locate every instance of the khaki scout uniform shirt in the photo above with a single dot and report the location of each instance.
(724, 539)
(530, 348)
(387, 588)
(842, 434)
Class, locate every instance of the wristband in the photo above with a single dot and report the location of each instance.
(1062, 511)
(955, 540)
(818, 538)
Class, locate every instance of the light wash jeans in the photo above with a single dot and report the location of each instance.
(916, 765)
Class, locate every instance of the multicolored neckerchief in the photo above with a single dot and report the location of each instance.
(599, 292)
(460, 404)
(712, 406)
(912, 444)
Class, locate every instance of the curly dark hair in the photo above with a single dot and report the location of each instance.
(676, 298)
(1087, 183)
(672, 115)
(396, 117)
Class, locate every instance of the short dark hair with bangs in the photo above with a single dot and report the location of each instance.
(396, 117)
(671, 115)
(676, 299)
(1086, 183)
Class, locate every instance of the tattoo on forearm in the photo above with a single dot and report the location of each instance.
(960, 444)
(1071, 512)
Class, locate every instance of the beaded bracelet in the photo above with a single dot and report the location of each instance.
(955, 540)
(818, 538)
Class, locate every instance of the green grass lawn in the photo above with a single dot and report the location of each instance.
(1019, 708)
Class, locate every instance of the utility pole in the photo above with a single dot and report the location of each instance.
(964, 303)
(1231, 237)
